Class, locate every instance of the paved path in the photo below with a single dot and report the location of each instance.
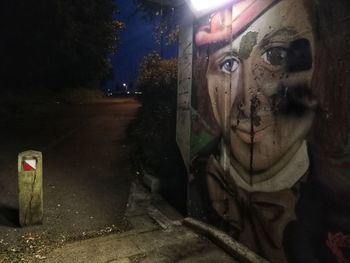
(86, 173)
(157, 236)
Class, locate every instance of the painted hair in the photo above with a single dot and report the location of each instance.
(331, 78)
(329, 136)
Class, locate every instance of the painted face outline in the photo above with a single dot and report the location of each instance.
(238, 83)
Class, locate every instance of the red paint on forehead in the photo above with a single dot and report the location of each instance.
(229, 22)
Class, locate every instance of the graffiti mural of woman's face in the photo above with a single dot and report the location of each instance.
(259, 87)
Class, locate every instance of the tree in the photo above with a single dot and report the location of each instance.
(56, 43)
(157, 76)
(164, 14)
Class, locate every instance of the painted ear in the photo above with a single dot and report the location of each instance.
(299, 56)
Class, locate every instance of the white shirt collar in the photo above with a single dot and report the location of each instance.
(284, 179)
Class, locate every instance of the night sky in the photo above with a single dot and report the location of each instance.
(136, 40)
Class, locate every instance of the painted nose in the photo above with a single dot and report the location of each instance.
(248, 98)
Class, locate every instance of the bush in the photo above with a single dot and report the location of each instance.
(153, 132)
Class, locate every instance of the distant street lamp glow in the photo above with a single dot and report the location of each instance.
(201, 7)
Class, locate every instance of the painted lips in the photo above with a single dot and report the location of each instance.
(244, 132)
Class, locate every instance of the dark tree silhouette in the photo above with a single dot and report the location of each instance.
(56, 43)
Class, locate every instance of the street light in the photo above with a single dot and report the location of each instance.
(202, 7)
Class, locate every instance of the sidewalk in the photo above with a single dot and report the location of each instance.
(158, 235)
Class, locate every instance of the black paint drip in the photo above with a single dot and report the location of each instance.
(254, 118)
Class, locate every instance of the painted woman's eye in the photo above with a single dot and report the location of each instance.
(276, 56)
(229, 65)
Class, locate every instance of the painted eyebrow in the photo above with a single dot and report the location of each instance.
(221, 56)
(222, 52)
(213, 47)
(284, 31)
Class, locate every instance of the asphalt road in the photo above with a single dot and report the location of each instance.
(86, 170)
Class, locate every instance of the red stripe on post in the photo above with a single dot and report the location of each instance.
(27, 167)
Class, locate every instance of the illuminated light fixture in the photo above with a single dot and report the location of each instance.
(202, 7)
